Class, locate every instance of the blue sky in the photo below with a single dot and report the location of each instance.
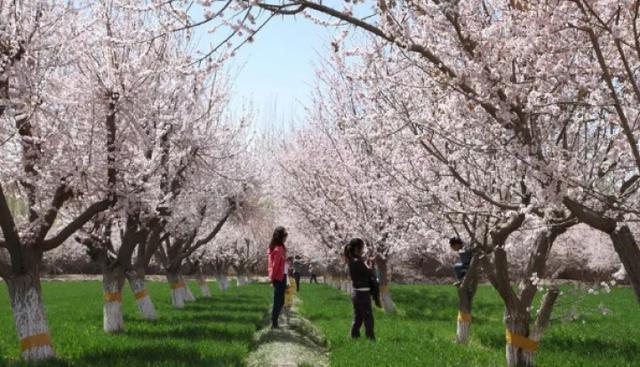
(276, 72)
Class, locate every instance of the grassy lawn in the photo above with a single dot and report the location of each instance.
(215, 332)
(423, 331)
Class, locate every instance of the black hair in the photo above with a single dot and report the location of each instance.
(351, 248)
(279, 236)
(455, 240)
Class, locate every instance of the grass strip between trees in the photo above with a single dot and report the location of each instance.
(422, 333)
(214, 332)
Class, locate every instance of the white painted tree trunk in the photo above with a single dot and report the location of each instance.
(204, 288)
(113, 320)
(188, 297)
(178, 291)
(385, 295)
(462, 331)
(222, 282)
(518, 325)
(385, 299)
(517, 357)
(30, 318)
(141, 294)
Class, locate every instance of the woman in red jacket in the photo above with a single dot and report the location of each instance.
(277, 276)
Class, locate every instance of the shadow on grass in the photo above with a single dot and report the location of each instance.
(192, 332)
(161, 354)
(552, 345)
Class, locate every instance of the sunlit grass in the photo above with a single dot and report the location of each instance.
(423, 331)
(214, 332)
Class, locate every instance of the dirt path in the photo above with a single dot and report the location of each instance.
(297, 343)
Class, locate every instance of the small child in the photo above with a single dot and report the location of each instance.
(466, 253)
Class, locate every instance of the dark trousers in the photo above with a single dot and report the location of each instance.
(296, 277)
(279, 287)
(313, 279)
(362, 313)
(460, 270)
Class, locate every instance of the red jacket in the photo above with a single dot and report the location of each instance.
(277, 259)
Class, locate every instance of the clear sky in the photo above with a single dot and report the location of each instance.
(277, 71)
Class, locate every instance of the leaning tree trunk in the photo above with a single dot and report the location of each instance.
(141, 294)
(112, 283)
(178, 289)
(629, 253)
(29, 317)
(385, 294)
(466, 292)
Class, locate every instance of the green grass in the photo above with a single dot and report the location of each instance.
(215, 332)
(423, 331)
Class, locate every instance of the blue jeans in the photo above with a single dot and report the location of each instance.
(279, 287)
(460, 270)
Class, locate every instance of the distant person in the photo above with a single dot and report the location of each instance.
(297, 270)
(361, 278)
(465, 253)
(277, 272)
(312, 274)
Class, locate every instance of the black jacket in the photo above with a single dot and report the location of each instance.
(360, 274)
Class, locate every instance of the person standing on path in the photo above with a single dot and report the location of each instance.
(297, 269)
(277, 257)
(361, 278)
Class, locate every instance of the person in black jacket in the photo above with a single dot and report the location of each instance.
(361, 276)
(465, 253)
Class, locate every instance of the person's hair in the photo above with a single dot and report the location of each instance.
(279, 235)
(351, 248)
(455, 241)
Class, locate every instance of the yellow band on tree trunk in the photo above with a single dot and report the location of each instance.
(463, 316)
(34, 341)
(177, 285)
(140, 295)
(112, 297)
(521, 342)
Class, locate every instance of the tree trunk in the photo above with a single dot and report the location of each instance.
(466, 292)
(29, 317)
(385, 294)
(112, 283)
(202, 284)
(188, 295)
(223, 282)
(520, 350)
(141, 294)
(629, 253)
(178, 289)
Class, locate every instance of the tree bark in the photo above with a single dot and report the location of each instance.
(29, 317)
(112, 283)
(178, 289)
(202, 284)
(223, 282)
(466, 292)
(141, 294)
(629, 253)
(385, 294)
(189, 297)
(520, 350)
(623, 241)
